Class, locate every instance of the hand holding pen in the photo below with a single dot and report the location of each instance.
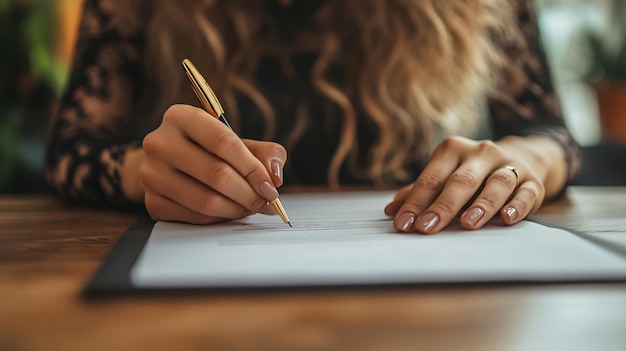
(198, 170)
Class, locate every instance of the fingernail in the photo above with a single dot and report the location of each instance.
(511, 212)
(428, 222)
(405, 221)
(268, 209)
(268, 191)
(474, 215)
(277, 170)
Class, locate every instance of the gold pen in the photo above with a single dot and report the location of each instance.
(212, 106)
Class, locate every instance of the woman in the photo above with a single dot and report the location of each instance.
(452, 100)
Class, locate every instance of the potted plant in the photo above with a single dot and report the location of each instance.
(605, 72)
(33, 71)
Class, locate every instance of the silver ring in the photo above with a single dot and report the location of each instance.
(514, 170)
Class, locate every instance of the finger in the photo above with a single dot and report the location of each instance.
(458, 190)
(527, 199)
(161, 208)
(181, 154)
(190, 193)
(272, 155)
(497, 190)
(427, 186)
(392, 208)
(218, 139)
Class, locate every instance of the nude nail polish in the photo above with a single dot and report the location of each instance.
(405, 221)
(277, 170)
(474, 215)
(428, 222)
(511, 212)
(268, 191)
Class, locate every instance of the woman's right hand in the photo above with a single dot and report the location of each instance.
(197, 170)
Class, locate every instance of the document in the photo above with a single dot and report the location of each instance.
(346, 239)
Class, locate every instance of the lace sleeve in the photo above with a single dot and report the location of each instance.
(527, 104)
(91, 132)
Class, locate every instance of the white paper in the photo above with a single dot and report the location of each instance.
(345, 238)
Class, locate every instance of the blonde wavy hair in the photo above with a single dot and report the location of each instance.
(415, 68)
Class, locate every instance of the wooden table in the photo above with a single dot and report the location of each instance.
(49, 250)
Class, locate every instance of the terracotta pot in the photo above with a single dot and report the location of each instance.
(612, 110)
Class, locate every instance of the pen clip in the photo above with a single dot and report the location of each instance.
(202, 89)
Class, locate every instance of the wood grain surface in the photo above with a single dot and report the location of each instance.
(49, 250)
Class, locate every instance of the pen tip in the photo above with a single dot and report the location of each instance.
(290, 224)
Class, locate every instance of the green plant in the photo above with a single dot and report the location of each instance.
(605, 62)
(31, 79)
(606, 65)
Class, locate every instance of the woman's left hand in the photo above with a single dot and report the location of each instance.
(478, 180)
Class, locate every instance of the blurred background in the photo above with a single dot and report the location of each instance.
(586, 46)
(36, 42)
(585, 42)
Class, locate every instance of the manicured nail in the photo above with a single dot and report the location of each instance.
(277, 170)
(474, 215)
(428, 222)
(511, 212)
(405, 221)
(268, 191)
